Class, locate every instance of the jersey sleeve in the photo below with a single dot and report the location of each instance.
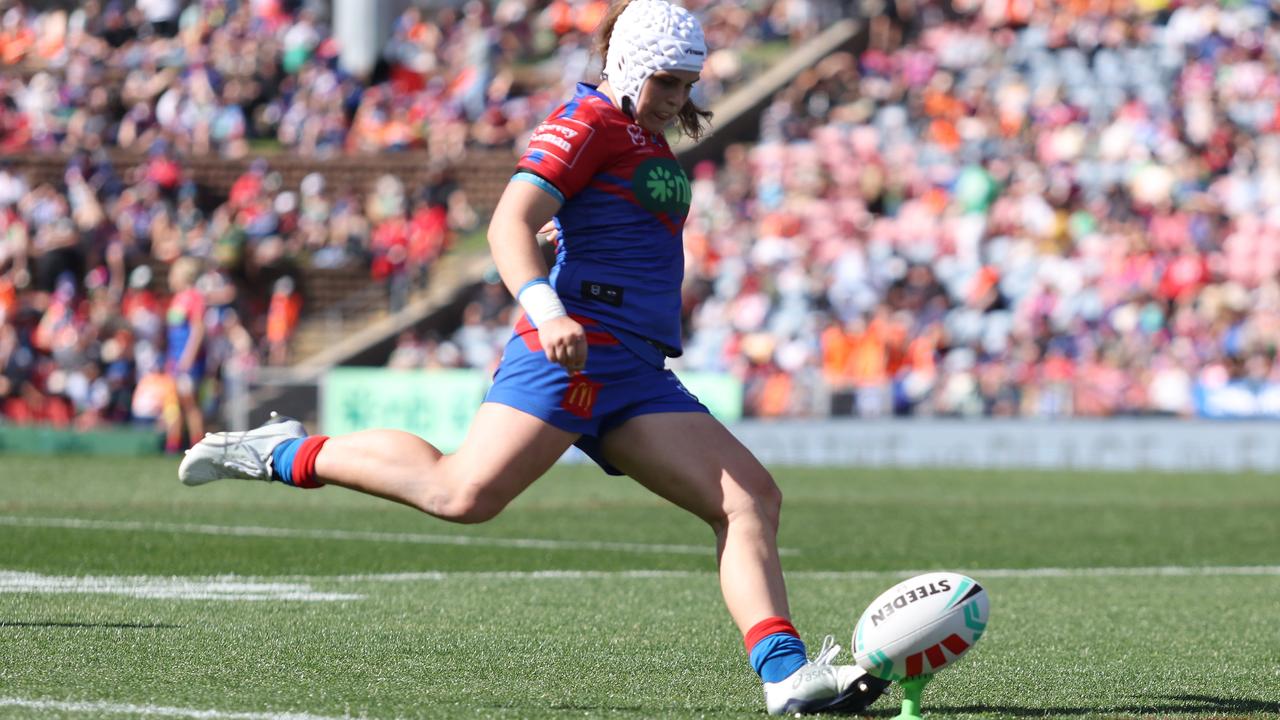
(565, 151)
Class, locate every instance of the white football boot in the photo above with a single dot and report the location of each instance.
(820, 687)
(242, 455)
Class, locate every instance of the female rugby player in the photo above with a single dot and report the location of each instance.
(585, 365)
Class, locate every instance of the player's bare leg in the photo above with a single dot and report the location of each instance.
(504, 452)
(695, 462)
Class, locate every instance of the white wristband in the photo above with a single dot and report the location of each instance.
(540, 301)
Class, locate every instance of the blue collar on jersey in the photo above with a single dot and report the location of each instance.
(584, 89)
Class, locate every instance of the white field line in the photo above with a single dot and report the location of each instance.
(298, 587)
(1058, 572)
(979, 574)
(107, 708)
(167, 588)
(365, 535)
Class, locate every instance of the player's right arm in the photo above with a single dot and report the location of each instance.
(522, 211)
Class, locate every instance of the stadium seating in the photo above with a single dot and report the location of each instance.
(1066, 213)
(1010, 216)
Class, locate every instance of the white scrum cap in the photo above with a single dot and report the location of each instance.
(652, 35)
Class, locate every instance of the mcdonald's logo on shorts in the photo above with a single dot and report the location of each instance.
(580, 396)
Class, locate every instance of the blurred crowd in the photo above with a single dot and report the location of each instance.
(1027, 209)
(1022, 209)
(127, 297)
(133, 295)
(228, 76)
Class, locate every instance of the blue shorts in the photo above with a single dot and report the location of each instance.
(615, 386)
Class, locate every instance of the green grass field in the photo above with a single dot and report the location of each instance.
(124, 594)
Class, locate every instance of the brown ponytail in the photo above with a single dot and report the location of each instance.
(693, 120)
(605, 30)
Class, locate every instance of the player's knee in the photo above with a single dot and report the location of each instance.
(477, 512)
(775, 500)
(473, 505)
(467, 502)
(757, 499)
(768, 498)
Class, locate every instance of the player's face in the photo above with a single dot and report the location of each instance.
(662, 97)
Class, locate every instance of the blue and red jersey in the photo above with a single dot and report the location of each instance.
(624, 199)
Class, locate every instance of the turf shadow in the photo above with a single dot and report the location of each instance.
(114, 626)
(1186, 705)
(1213, 703)
(593, 710)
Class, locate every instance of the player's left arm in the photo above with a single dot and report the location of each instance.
(522, 211)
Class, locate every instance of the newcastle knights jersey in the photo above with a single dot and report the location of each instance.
(624, 200)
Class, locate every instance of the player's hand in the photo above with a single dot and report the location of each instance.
(550, 233)
(565, 343)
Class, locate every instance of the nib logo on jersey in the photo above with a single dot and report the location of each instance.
(661, 186)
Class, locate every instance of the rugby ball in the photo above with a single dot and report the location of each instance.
(920, 626)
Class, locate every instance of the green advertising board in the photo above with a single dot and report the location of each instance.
(40, 440)
(721, 393)
(438, 404)
(433, 404)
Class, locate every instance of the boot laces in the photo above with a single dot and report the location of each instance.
(827, 652)
(242, 458)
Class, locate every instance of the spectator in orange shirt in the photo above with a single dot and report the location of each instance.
(835, 356)
(282, 318)
(868, 366)
(775, 394)
(919, 372)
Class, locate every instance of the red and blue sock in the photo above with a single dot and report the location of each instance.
(293, 462)
(775, 648)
